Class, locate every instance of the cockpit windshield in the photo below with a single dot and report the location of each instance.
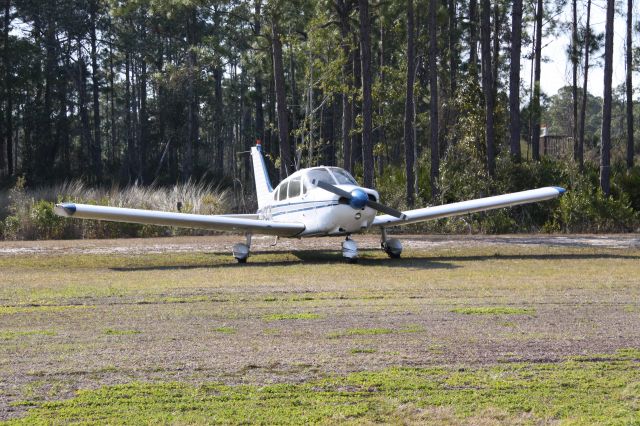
(321, 175)
(342, 176)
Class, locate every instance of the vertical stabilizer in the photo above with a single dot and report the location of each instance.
(263, 183)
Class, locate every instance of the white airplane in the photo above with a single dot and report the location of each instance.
(313, 202)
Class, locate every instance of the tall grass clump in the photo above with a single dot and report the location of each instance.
(27, 213)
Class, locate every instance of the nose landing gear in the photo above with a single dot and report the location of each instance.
(391, 246)
(350, 250)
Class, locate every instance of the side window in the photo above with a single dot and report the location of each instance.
(283, 191)
(304, 186)
(294, 188)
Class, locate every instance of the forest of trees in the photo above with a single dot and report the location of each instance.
(167, 91)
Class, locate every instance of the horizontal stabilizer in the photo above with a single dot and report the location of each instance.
(471, 206)
(240, 223)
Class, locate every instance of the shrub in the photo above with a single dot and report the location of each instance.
(582, 209)
(585, 210)
(628, 182)
(46, 224)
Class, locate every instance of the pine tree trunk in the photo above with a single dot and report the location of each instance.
(46, 142)
(535, 107)
(379, 135)
(192, 118)
(605, 160)
(347, 75)
(367, 125)
(144, 122)
(629, 86)
(433, 102)
(356, 108)
(473, 34)
(574, 76)
(514, 80)
(7, 146)
(495, 53)
(62, 122)
(286, 165)
(96, 152)
(84, 113)
(112, 96)
(272, 115)
(218, 121)
(583, 108)
(453, 51)
(259, 98)
(128, 119)
(135, 129)
(409, 108)
(487, 83)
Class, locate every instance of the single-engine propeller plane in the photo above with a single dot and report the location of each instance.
(313, 202)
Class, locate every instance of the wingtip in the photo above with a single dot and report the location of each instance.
(560, 189)
(65, 209)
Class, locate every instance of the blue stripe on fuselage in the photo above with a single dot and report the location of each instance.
(304, 209)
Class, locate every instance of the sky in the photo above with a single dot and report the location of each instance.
(556, 72)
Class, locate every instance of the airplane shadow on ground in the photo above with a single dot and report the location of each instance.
(554, 256)
(324, 257)
(305, 257)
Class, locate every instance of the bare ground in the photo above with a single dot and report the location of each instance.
(82, 314)
(224, 243)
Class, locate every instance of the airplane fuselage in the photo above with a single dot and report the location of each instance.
(297, 199)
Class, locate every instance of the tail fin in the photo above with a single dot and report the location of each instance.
(263, 183)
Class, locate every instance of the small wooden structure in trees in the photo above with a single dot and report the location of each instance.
(556, 146)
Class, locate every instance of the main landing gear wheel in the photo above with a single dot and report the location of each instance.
(391, 246)
(350, 250)
(241, 251)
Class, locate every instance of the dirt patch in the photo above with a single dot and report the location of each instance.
(223, 243)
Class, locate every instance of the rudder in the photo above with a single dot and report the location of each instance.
(261, 177)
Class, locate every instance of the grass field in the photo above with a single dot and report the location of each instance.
(491, 330)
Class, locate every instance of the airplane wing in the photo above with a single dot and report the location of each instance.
(248, 223)
(471, 206)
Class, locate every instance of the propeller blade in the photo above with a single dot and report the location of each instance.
(386, 209)
(373, 204)
(333, 189)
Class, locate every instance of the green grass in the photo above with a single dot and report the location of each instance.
(8, 335)
(367, 331)
(283, 317)
(570, 392)
(225, 330)
(112, 332)
(10, 310)
(363, 351)
(494, 310)
(412, 328)
(359, 332)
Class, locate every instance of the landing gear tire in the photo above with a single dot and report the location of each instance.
(350, 250)
(391, 246)
(241, 251)
(393, 255)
